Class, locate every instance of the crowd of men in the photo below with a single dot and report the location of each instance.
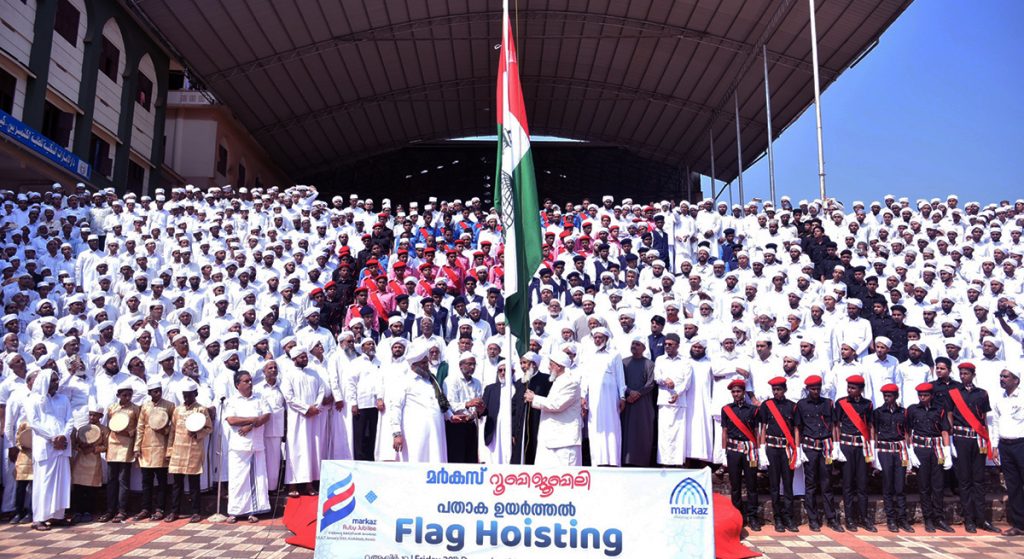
(242, 336)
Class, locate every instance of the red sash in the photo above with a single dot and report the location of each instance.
(453, 275)
(396, 288)
(790, 442)
(857, 421)
(974, 422)
(739, 424)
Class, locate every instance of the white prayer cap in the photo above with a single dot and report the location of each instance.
(995, 341)
(560, 358)
(855, 302)
(165, 355)
(532, 357)
(296, 351)
(499, 319)
(395, 320)
(916, 344)
(466, 355)
(884, 341)
(189, 385)
(639, 340)
(418, 351)
(154, 383)
(94, 406)
(601, 331)
(347, 334)
(627, 312)
(125, 385)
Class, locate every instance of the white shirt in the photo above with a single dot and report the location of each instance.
(251, 407)
(1009, 416)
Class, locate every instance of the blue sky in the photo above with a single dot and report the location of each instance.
(934, 109)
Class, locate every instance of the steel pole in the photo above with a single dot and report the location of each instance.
(768, 113)
(739, 147)
(817, 99)
(711, 137)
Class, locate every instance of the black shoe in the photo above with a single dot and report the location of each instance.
(942, 525)
(929, 527)
(835, 526)
(906, 527)
(754, 524)
(850, 526)
(792, 527)
(893, 527)
(869, 527)
(970, 527)
(988, 527)
(814, 526)
(779, 526)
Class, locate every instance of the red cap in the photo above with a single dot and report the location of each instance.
(329, 284)
(316, 290)
(451, 251)
(403, 251)
(967, 365)
(425, 265)
(855, 379)
(372, 262)
(482, 243)
(565, 233)
(738, 383)
(890, 388)
(399, 265)
(430, 249)
(924, 387)
(812, 380)
(344, 250)
(778, 381)
(363, 289)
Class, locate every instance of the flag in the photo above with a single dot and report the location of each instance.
(515, 192)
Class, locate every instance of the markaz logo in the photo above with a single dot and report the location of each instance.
(689, 498)
(340, 502)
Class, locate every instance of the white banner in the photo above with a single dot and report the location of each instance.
(419, 511)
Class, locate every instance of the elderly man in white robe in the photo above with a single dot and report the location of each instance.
(389, 380)
(49, 417)
(246, 415)
(418, 411)
(303, 393)
(560, 434)
(700, 432)
(273, 432)
(603, 382)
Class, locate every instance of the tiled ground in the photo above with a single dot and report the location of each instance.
(266, 541)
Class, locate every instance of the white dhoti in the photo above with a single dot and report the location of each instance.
(272, 446)
(671, 435)
(557, 457)
(247, 483)
(51, 496)
(7, 503)
(302, 461)
(337, 432)
(385, 449)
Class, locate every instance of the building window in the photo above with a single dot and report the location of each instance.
(222, 161)
(66, 24)
(241, 175)
(8, 85)
(99, 156)
(136, 176)
(109, 57)
(57, 124)
(144, 93)
(258, 183)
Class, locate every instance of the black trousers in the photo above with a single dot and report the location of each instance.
(817, 486)
(1011, 456)
(894, 475)
(179, 492)
(929, 484)
(84, 498)
(855, 484)
(364, 434)
(970, 475)
(118, 479)
(741, 473)
(22, 500)
(154, 477)
(779, 475)
(462, 442)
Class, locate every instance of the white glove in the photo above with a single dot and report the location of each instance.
(875, 462)
(952, 450)
(801, 455)
(948, 462)
(720, 456)
(762, 458)
(837, 454)
(915, 462)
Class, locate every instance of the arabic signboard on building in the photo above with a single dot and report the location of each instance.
(35, 141)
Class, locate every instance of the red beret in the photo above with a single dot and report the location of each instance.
(430, 249)
(316, 290)
(344, 265)
(890, 388)
(451, 251)
(738, 383)
(425, 265)
(482, 243)
(344, 250)
(778, 381)
(967, 365)
(399, 265)
(372, 262)
(812, 380)
(565, 233)
(329, 284)
(403, 251)
(479, 253)
(924, 387)
(587, 237)
(855, 379)
(363, 289)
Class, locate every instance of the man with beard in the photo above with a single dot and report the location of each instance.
(527, 421)
(418, 411)
(303, 393)
(638, 417)
(700, 431)
(362, 385)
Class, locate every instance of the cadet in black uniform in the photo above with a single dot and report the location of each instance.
(944, 382)
(852, 417)
(816, 422)
(928, 432)
(966, 411)
(889, 432)
(778, 449)
(740, 444)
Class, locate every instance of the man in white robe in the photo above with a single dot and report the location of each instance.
(700, 431)
(49, 417)
(246, 415)
(673, 376)
(273, 431)
(418, 411)
(560, 435)
(603, 383)
(303, 393)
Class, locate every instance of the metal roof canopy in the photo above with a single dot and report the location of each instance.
(323, 83)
